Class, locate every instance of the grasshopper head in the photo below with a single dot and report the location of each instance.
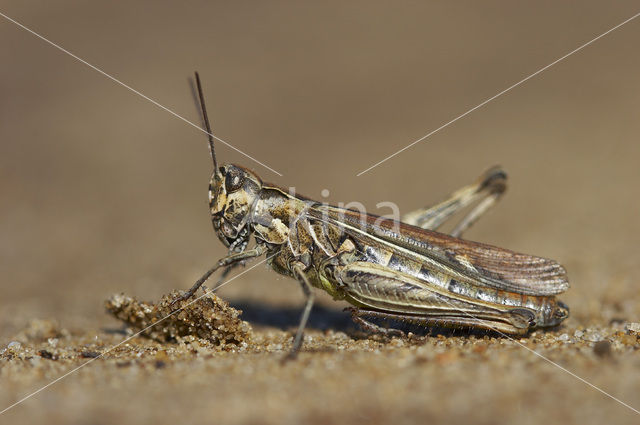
(232, 193)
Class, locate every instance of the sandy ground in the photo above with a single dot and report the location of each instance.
(105, 193)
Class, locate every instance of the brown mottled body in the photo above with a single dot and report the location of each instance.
(412, 273)
(402, 270)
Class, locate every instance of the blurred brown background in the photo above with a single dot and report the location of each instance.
(102, 192)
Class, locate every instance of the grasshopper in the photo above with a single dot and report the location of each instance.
(386, 269)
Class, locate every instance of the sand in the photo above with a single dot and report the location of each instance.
(204, 363)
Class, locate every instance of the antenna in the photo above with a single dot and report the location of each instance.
(203, 109)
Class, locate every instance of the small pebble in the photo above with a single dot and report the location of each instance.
(592, 336)
(602, 348)
(632, 328)
(628, 339)
(46, 355)
(14, 346)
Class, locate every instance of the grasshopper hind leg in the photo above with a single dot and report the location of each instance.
(356, 316)
(486, 191)
(521, 321)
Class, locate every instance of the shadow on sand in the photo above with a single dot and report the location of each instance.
(324, 318)
(284, 317)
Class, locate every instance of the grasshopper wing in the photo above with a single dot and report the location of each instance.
(475, 262)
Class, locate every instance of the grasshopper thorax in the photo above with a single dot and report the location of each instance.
(233, 190)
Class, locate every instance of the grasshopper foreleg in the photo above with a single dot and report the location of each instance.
(224, 275)
(228, 262)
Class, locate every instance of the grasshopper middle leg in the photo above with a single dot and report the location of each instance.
(307, 289)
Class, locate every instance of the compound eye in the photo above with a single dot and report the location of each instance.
(233, 181)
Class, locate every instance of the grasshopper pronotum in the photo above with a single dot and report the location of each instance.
(402, 270)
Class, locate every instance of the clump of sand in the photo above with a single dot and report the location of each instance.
(208, 318)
